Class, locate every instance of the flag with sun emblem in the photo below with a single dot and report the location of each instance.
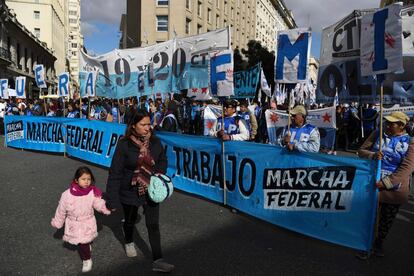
(324, 119)
(211, 113)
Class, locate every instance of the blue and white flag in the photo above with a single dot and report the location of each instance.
(292, 55)
(210, 115)
(221, 73)
(381, 41)
(264, 85)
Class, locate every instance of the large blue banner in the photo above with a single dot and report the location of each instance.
(327, 197)
(92, 141)
(36, 133)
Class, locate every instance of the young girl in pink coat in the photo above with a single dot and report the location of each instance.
(76, 211)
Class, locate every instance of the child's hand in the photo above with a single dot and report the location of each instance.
(55, 224)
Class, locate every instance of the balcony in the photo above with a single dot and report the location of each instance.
(5, 57)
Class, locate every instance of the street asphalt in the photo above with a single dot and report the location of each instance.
(198, 236)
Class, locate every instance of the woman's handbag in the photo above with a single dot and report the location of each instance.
(160, 188)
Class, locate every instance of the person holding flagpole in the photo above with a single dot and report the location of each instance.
(301, 136)
(234, 126)
(397, 165)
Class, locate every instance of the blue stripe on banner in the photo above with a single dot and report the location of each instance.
(165, 80)
(327, 197)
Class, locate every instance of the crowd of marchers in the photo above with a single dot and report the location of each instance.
(242, 120)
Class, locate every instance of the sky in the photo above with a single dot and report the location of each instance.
(101, 19)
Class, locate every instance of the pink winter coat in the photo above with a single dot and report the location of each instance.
(76, 212)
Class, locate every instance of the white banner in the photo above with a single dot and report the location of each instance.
(199, 94)
(321, 118)
(264, 85)
(12, 92)
(341, 41)
(381, 41)
(408, 31)
(169, 66)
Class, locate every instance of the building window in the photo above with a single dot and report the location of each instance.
(188, 4)
(199, 8)
(37, 32)
(73, 13)
(187, 26)
(72, 21)
(26, 67)
(209, 15)
(199, 29)
(225, 7)
(162, 23)
(36, 14)
(217, 21)
(18, 54)
(74, 45)
(162, 2)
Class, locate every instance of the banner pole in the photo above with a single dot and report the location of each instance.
(64, 109)
(362, 118)
(80, 106)
(44, 102)
(289, 103)
(378, 177)
(64, 141)
(223, 157)
(119, 113)
(89, 108)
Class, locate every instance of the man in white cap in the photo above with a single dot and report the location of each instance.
(302, 136)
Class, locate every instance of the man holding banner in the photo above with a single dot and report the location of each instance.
(301, 136)
(232, 126)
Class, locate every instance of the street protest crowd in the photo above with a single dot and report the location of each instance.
(354, 122)
(242, 122)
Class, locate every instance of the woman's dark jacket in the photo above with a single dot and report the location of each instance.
(124, 162)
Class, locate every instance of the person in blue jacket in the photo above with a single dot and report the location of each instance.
(234, 126)
(302, 136)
